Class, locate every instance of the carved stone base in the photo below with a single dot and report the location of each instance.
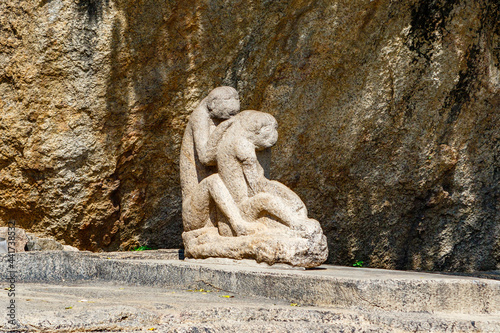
(300, 248)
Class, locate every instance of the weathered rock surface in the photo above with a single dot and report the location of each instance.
(397, 103)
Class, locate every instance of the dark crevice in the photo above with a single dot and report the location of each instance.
(426, 19)
(462, 91)
(8, 80)
(93, 9)
(416, 216)
(44, 2)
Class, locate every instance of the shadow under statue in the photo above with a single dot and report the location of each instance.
(229, 208)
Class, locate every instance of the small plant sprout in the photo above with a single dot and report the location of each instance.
(358, 263)
(141, 248)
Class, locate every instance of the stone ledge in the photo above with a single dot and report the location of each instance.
(342, 287)
(108, 307)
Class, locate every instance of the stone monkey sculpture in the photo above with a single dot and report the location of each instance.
(199, 181)
(243, 176)
(222, 171)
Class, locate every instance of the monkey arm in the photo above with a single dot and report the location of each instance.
(214, 139)
(200, 123)
(205, 142)
(253, 171)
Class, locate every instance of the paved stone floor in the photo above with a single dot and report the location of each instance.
(107, 307)
(59, 291)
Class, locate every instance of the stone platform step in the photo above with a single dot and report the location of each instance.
(107, 307)
(340, 287)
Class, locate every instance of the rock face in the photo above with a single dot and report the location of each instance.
(388, 111)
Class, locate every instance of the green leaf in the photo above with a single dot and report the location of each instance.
(141, 248)
(358, 263)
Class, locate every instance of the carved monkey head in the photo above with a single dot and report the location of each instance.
(261, 128)
(223, 103)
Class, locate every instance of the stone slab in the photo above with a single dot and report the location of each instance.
(341, 287)
(106, 307)
(20, 239)
(162, 254)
